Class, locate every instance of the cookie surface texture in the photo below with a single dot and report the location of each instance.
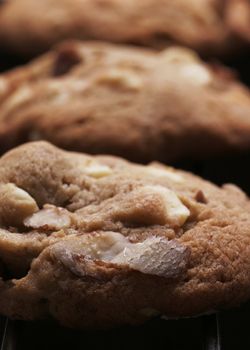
(96, 242)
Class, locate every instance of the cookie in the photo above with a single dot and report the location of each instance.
(96, 242)
(140, 104)
(30, 27)
(238, 14)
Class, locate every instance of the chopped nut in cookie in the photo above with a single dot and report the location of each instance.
(15, 205)
(154, 256)
(49, 218)
(200, 197)
(67, 58)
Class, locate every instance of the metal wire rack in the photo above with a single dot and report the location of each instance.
(195, 334)
(223, 331)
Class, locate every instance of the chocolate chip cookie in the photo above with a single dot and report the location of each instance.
(31, 26)
(97, 242)
(136, 103)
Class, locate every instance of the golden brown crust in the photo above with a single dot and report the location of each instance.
(201, 25)
(140, 104)
(116, 243)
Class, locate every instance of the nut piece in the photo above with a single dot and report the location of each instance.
(200, 197)
(155, 256)
(15, 205)
(50, 218)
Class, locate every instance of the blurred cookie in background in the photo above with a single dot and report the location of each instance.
(141, 104)
(29, 27)
(238, 14)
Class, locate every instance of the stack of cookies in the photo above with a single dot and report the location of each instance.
(87, 237)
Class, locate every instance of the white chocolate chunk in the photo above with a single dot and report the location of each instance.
(49, 218)
(197, 74)
(97, 170)
(15, 205)
(152, 205)
(176, 212)
(155, 256)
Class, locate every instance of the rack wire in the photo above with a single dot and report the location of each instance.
(202, 333)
